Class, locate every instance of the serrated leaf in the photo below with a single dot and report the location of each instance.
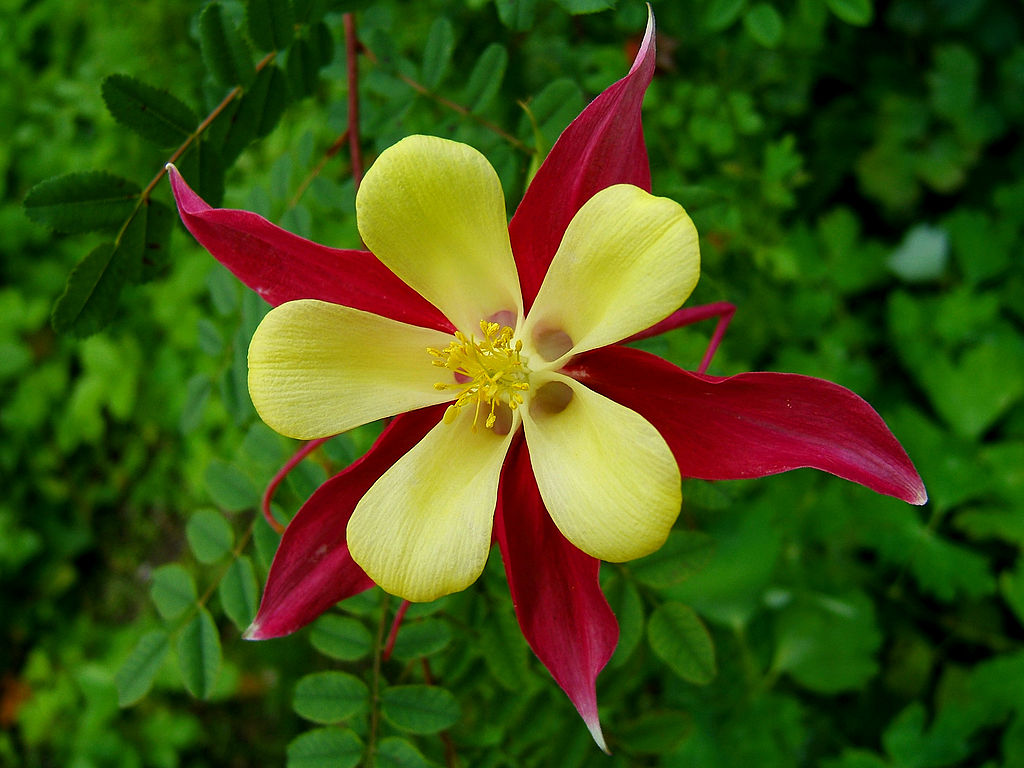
(679, 638)
(395, 752)
(159, 222)
(485, 79)
(330, 697)
(225, 52)
(341, 637)
(135, 676)
(685, 553)
(90, 296)
(199, 654)
(82, 202)
(173, 591)
(229, 487)
(203, 165)
(437, 56)
(209, 535)
(303, 72)
(153, 113)
(325, 748)
(258, 111)
(322, 43)
(271, 23)
(856, 12)
(239, 592)
(420, 708)
(764, 24)
(517, 15)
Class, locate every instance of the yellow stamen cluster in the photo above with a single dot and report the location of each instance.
(489, 372)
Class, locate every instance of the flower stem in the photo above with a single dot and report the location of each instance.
(352, 66)
(282, 473)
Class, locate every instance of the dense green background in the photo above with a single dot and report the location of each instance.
(855, 173)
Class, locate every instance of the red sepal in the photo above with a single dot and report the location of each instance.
(282, 267)
(313, 569)
(754, 424)
(561, 610)
(603, 146)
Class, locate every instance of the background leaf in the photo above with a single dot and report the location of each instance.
(135, 676)
(419, 708)
(271, 23)
(330, 697)
(82, 202)
(225, 52)
(153, 113)
(680, 639)
(325, 748)
(199, 654)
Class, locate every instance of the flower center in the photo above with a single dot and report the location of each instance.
(489, 373)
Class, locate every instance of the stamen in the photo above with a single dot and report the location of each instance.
(489, 373)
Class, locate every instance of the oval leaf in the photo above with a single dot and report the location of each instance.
(485, 79)
(199, 654)
(329, 697)
(153, 113)
(680, 639)
(173, 591)
(437, 57)
(325, 748)
(764, 24)
(82, 202)
(229, 487)
(856, 12)
(422, 638)
(420, 708)
(135, 677)
(394, 752)
(341, 637)
(239, 592)
(209, 535)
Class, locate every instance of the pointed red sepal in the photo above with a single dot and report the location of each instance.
(558, 600)
(603, 146)
(282, 267)
(313, 569)
(755, 424)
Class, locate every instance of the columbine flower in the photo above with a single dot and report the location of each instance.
(518, 417)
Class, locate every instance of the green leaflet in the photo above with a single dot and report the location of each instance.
(225, 52)
(135, 677)
(199, 654)
(420, 708)
(82, 202)
(173, 591)
(271, 23)
(680, 639)
(330, 697)
(325, 748)
(239, 592)
(209, 535)
(152, 113)
(437, 56)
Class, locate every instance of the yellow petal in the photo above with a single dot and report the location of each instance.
(317, 369)
(627, 260)
(608, 479)
(433, 211)
(424, 529)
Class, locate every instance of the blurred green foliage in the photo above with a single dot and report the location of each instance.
(855, 172)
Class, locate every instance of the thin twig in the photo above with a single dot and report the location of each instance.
(393, 634)
(318, 168)
(371, 746)
(352, 66)
(268, 494)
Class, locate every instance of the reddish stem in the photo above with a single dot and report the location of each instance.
(268, 494)
(723, 310)
(352, 64)
(393, 634)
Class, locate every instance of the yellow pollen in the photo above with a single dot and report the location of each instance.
(491, 370)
